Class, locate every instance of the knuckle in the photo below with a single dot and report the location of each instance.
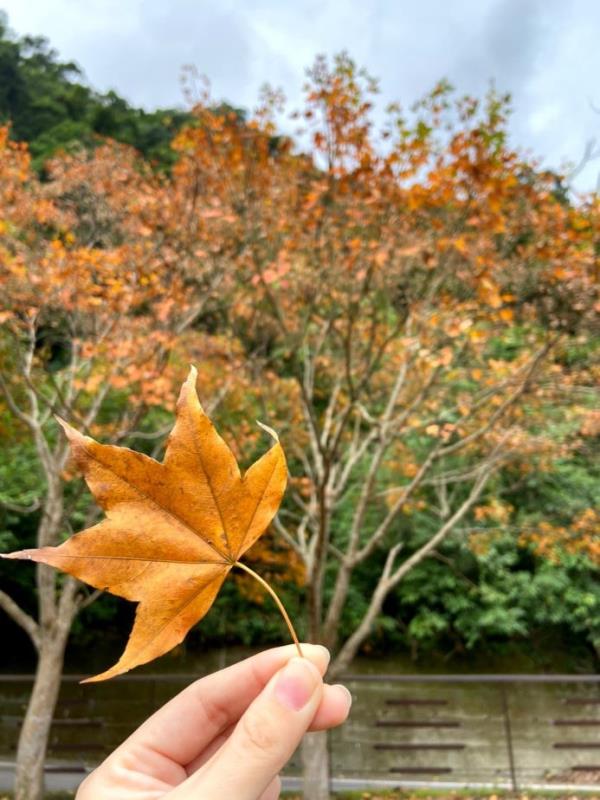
(260, 734)
(213, 711)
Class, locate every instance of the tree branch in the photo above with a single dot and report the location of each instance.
(389, 578)
(22, 618)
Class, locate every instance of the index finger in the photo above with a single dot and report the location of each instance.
(182, 728)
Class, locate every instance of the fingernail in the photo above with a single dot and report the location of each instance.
(346, 691)
(326, 653)
(296, 683)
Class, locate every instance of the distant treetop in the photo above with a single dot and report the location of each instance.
(50, 105)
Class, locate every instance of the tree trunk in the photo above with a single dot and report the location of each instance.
(315, 746)
(33, 739)
(315, 766)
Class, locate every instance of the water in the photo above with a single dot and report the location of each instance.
(401, 729)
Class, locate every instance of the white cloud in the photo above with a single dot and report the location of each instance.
(544, 51)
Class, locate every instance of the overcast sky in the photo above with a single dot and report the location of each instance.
(545, 52)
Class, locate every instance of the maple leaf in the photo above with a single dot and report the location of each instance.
(173, 530)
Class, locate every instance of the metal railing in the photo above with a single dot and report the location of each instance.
(512, 730)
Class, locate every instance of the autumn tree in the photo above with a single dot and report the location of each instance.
(95, 312)
(409, 287)
(398, 298)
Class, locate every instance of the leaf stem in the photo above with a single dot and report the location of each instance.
(280, 605)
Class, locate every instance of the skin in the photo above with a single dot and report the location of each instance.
(226, 735)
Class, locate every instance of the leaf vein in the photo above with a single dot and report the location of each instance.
(257, 506)
(167, 511)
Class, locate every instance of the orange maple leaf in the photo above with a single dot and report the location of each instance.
(173, 530)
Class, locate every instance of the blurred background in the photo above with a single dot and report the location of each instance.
(376, 229)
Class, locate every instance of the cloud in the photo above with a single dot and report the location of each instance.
(544, 51)
(516, 34)
(146, 63)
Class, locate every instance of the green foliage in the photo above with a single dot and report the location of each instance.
(571, 486)
(50, 106)
(506, 593)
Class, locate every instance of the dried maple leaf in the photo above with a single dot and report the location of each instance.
(173, 530)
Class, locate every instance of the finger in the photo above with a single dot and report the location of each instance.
(263, 740)
(332, 711)
(182, 728)
(208, 751)
(273, 790)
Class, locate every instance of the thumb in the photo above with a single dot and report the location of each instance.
(265, 737)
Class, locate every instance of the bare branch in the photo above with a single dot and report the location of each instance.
(389, 577)
(22, 618)
(149, 435)
(288, 538)
(591, 153)
(86, 601)
(450, 563)
(12, 403)
(328, 417)
(406, 492)
(420, 554)
(503, 407)
(17, 509)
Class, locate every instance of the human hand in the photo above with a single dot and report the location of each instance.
(226, 735)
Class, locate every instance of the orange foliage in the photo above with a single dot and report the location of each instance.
(409, 285)
(582, 535)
